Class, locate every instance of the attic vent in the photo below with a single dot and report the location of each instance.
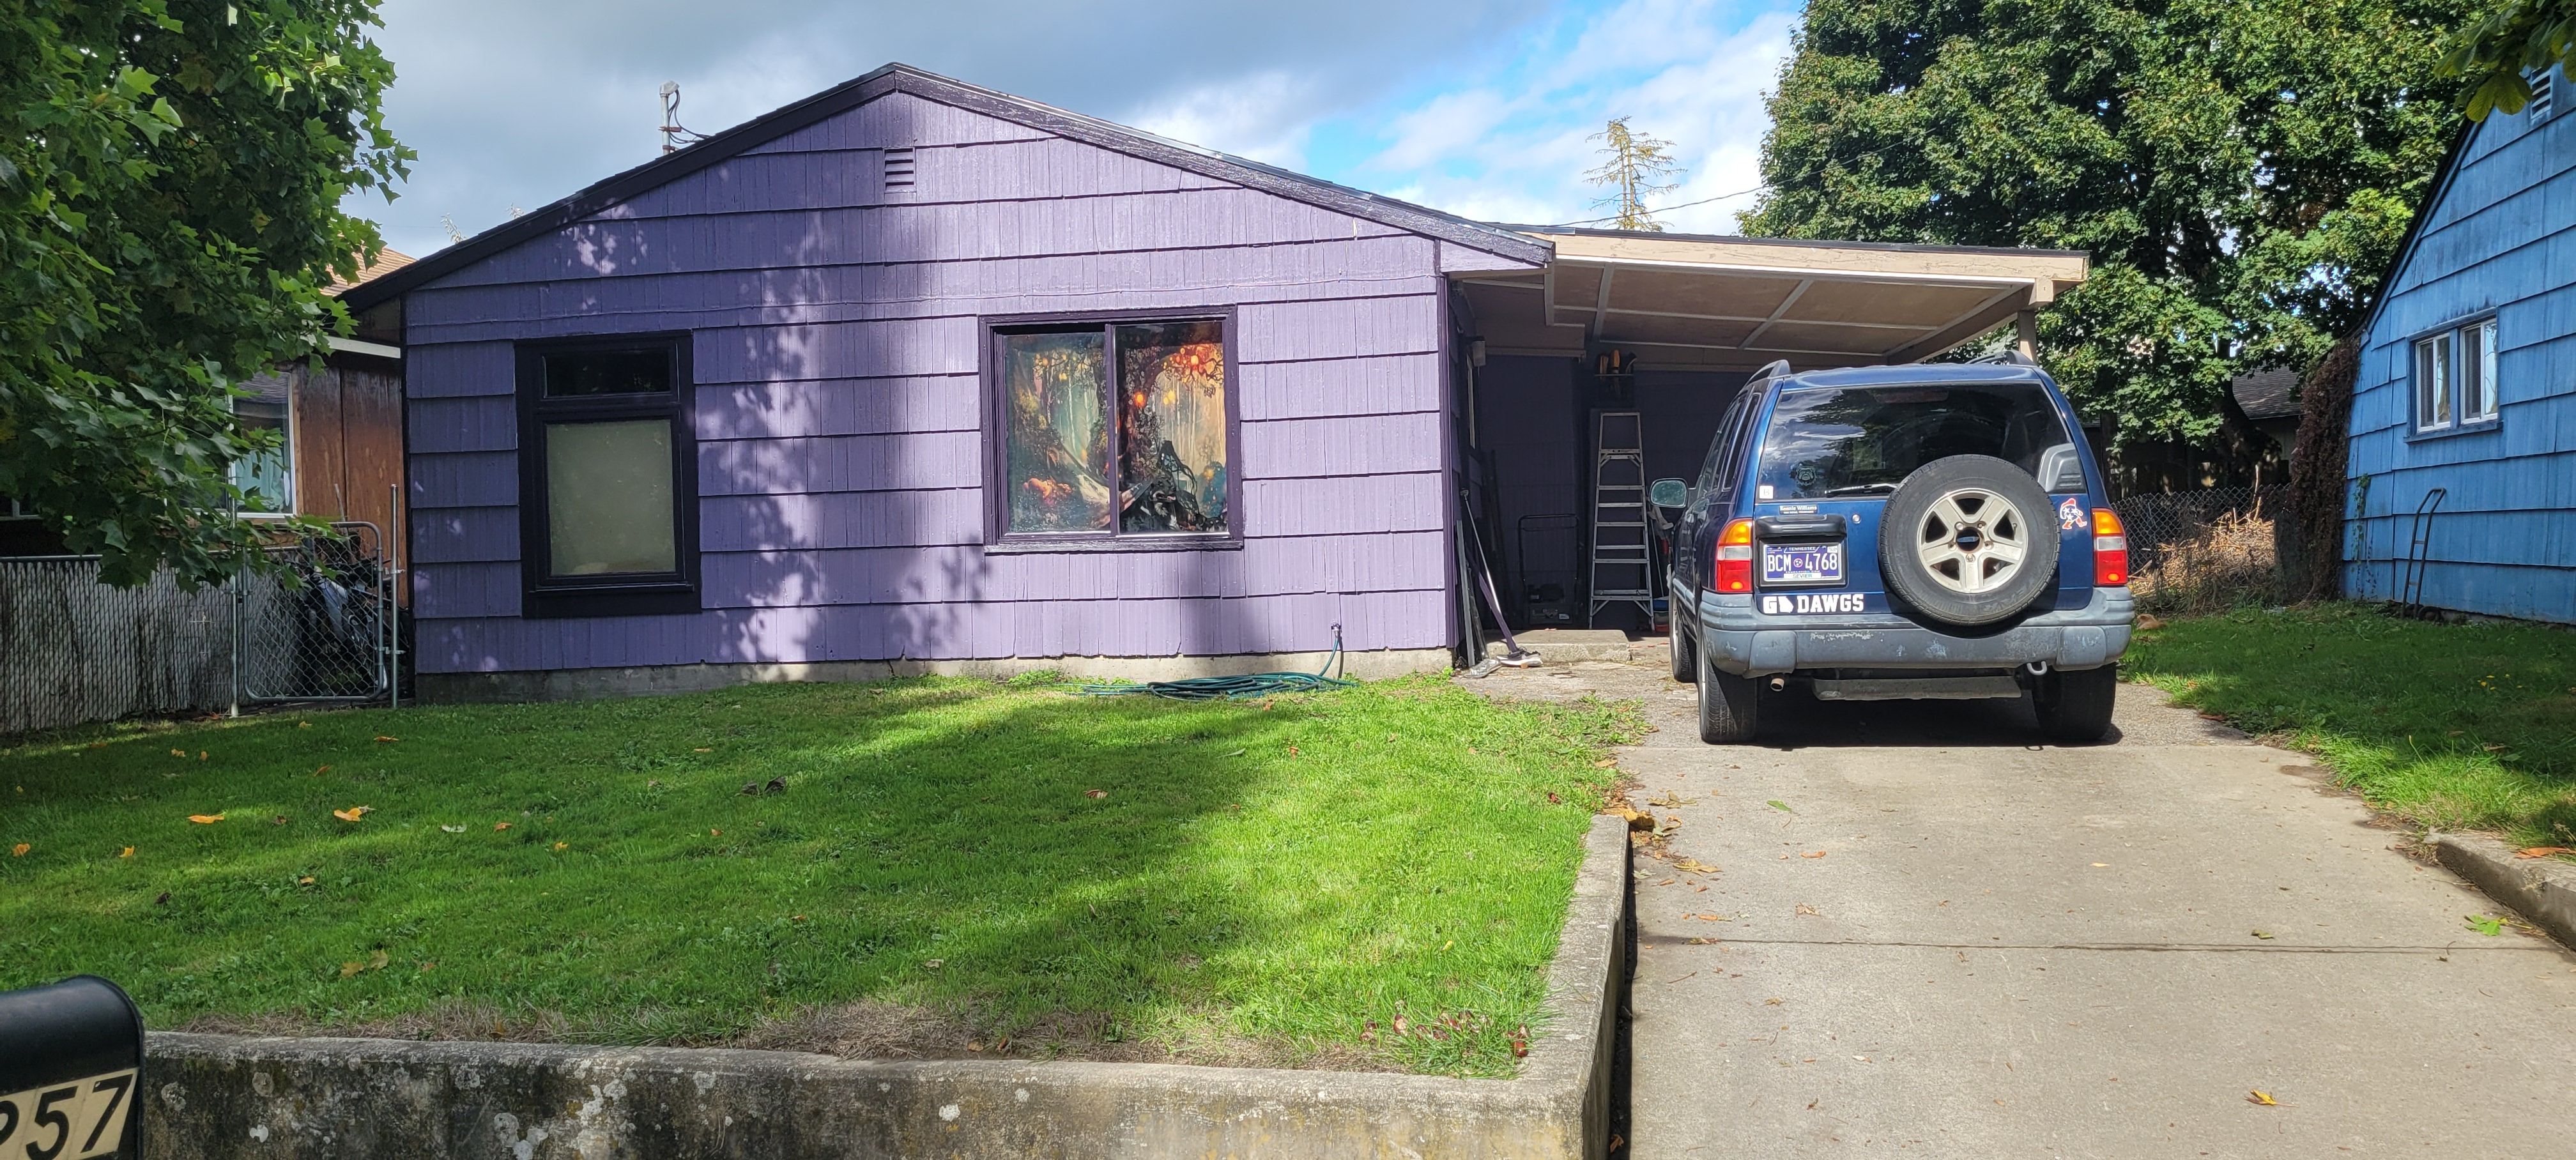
(898, 168)
(2544, 95)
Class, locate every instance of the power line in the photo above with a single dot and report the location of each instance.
(1663, 209)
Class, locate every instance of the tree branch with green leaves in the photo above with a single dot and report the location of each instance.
(171, 175)
(2497, 56)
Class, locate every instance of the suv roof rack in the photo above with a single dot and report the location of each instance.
(1776, 368)
(2010, 358)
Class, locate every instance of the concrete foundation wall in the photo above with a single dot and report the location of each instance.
(209, 1096)
(593, 684)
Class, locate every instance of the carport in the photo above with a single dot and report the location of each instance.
(1668, 327)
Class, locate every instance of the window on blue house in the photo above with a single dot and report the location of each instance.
(2455, 377)
(1113, 433)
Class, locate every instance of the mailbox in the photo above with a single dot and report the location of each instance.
(71, 1061)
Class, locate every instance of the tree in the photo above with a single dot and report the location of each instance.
(1637, 168)
(2497, 56)
(171, 173)
(2240, 170)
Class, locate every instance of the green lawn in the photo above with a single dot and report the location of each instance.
(1272, 873)
(2454, 726)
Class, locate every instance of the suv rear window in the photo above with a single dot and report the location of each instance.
(1852, 441)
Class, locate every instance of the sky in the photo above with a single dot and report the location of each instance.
(1477, 107)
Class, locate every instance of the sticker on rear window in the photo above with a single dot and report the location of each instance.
(1811, 602)
(2070, 515)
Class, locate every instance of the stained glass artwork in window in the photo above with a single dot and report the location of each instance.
(1171, 436)
(1056, 438)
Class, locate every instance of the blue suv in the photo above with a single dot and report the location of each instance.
(1881, 533)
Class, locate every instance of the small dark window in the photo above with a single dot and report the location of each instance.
(1118, 434)
(608, 478)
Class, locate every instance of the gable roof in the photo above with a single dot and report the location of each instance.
(901, 78)
(2272, 393)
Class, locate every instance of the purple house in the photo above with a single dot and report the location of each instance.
(915, 376)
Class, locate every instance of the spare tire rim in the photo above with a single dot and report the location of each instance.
(1972, 541)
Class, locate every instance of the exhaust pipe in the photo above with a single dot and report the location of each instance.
(2036, 668)
(1779, 683)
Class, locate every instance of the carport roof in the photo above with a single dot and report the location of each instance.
(1700, 301)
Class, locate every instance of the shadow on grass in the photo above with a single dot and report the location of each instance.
(1278, 871)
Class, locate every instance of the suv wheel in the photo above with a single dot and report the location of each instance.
(2076, 706)
(1968, 540)
(1685, 655)
(1730, 707)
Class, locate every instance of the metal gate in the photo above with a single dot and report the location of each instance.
(328, 631)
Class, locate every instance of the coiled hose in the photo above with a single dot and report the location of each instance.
(1235, 688)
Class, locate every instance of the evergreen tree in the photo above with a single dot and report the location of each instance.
(1637, 166)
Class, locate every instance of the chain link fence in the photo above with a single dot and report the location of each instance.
(2199, 551)
(323, 626)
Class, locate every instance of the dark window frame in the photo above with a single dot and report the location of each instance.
(999, 539)
(627, 594)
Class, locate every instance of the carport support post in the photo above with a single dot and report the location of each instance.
(2027, 322)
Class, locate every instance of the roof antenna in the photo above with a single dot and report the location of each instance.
(673, 135)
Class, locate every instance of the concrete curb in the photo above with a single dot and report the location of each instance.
(2543, 889)
(212, 1096)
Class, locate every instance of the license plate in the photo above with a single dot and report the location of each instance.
(1802, 563)
(71, 1120)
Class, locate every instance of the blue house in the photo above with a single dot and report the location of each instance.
(2465, 404)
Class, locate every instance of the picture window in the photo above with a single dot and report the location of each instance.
(1115, 432)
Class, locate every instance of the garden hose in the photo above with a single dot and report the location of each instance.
(1236, 688)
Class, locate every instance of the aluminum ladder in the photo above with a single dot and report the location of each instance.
(1622, 566)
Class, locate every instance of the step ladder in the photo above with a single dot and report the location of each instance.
(1622, 564)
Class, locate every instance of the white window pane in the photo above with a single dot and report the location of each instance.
(2424, 375)
(609, 497)
(263, 476)
(2486, 358)
(2442, 381)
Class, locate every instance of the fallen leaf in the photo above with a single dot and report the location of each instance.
(426, 968)
(2453, 732)
(20, 850)
(1095, 794)
(2262, 934)
(1292, 751)
(776, 785)
(307, 880)
(351, 967)
(201, 755)
(2492, 748)
(933, 964)
(129, 852)
(2099, 865)
(563, 845)
(321, 771)
(497, 827)
(205, 819)
(451, 829)
(1693, 866)
(1817, 854)
(1605, 763)
(2259, 1096)
(707, 749)
(1803, 908)
(381, 737)
(2485, 925)
(1771, 1002)
(377, 961)
(303, 724)
(178, 753)
(1783, 807)
(353, 813)
(1520, 1049)
(795, 918)
(1672, 799)
(2541, 851)
(279, 820)
(1554, 800)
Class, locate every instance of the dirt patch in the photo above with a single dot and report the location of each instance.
(861, 1030)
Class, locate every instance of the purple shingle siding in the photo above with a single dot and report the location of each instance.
(837, 331)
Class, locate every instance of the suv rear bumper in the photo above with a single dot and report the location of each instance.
(1742, 641)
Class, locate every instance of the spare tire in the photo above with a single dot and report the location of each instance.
(1968, 540)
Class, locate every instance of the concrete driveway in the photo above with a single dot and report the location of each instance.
(1953, 941)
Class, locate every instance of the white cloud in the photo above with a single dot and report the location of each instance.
(1688, 71)
(1257, 117)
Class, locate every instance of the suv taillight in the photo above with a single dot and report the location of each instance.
(1734, 571)
(2110, 550)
